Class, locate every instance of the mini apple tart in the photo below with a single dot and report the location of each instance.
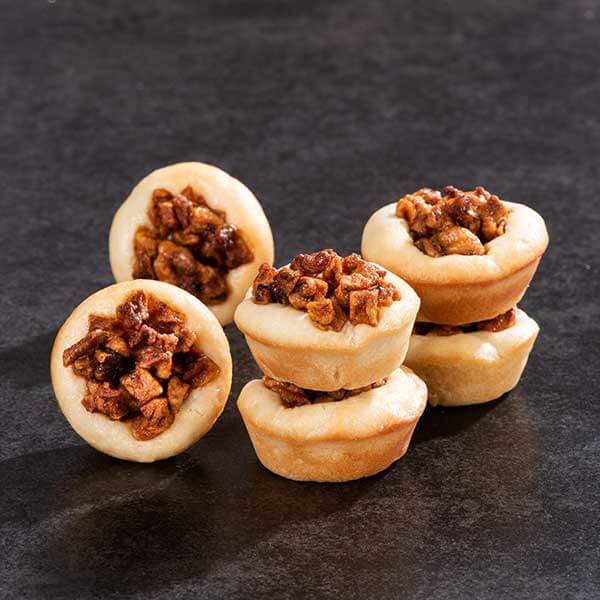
(328, 323)
(141, 370)
(194, 226)
(471, 364)
(469, 255)
(340, 436)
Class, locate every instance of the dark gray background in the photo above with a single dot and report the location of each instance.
(326, 110)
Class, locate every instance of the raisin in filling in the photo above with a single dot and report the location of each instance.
(499, 323)
(453, 222)
(291, 395)
(140, 364)
(332, 289)
(189, 245)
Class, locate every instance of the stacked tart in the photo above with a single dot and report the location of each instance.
(194, 226)
(470, 257)
(330, 335)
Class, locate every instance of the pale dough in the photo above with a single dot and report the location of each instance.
(199, 411)
(222, 192)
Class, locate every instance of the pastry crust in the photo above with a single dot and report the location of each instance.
(199, 411)
(334, 441)
(222, 192)
(475, 367)
(458, 289)
(287, 346)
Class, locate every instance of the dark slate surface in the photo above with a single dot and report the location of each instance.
(327, 110)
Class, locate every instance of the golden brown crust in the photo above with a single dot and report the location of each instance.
(475, 367)
(459, 289)
(334, 441)
(223, 193)
(287, 346)
(197, 414)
